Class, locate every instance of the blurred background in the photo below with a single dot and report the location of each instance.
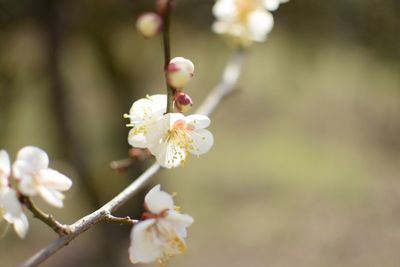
(305, 167)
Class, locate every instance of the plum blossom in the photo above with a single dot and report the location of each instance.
(161, 234)
(10, 208)
(179, 72)
(245, 20)
(143, 114)
(175, 136)
(35, 178)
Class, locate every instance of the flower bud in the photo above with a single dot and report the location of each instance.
(161, 6)
(180, 70)
(183, 102)
(149, 24)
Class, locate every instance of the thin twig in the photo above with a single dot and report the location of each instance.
(167, 54)
(59, 228)
(227, 84)
(121, 220)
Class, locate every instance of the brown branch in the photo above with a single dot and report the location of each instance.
(121, 220)
(227, 84)
(48, 219)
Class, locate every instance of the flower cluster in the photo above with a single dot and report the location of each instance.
(32, 177)
(170, 137)
(245, 21)
(160, 235)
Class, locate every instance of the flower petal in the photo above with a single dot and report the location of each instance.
(148, 108)
(203, 140)
(168, 155)
(27, 187)
(51, 196)
(158, 201)
(137, 139)
(144, 244)
(53, 179)
(30, 160)
(13, 212)
(260, 23)
(179, 221)
(197, 121)
(4, 168)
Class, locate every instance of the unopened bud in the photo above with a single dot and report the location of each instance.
(183, 102)
(162, 6)
(149, 24)
(180, 71)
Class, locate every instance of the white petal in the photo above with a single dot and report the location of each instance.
(203, 140)
(4, 164)
(225, 10)
(273, 5)
(21, 225)
(197, 121)
(179, 221)
(13, 212)
(27, 186)
(260, 23)
(148, 108)
(168, 155)
(30, 160)
(158, 201)
(54, 180)
(144, 244)
(137, 139)
(51, 196)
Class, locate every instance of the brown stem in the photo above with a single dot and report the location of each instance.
(120, 220)
(48, 219)
(167, 54)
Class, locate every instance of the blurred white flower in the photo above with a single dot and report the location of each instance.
(273, 5)
(161, 235)
(10, 207)
(35, 178)
(149, 24)
(175, 136)
(143, 114)
(179, 72)
(245, 20)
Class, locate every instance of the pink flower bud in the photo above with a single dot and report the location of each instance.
(183, 102)
(180, 71)
(149, 24)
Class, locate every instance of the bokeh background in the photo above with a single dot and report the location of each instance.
(305, 167)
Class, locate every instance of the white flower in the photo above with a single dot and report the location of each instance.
(176, 136)
(143, 114)
(244, 20)
(35, 178)
(161, 236)
(180, 71)
(10, 207)
(273, 5)
(149, 24)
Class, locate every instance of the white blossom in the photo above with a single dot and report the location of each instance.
(162, 234)
(149, 24)
(273, 5)
(175, 136)
(143, 114)
(245, 20)
(180, 71)
(10, 208)
(35, 178)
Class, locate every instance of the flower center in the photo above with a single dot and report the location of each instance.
(245, 7)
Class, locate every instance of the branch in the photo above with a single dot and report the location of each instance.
(59, 228)
(226, 85)
(167, 54)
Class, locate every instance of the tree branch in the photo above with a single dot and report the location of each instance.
(59, 228)
(167, 54)
(226, 85)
